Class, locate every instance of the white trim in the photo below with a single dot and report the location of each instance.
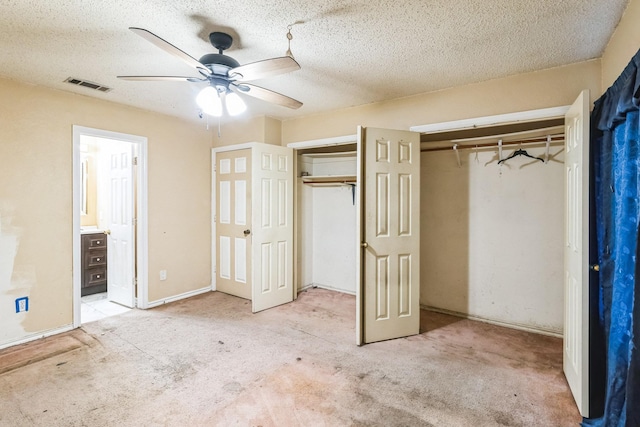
(76, 202)
(500, 119)
(174, 298)
(213, 222)
(325, 287)
(517, 326)
(142, 227)
(359, 253)
(313, 143)
(38, 336)
(142, 260)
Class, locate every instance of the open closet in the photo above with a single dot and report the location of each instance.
(326, 218)
(493, 224)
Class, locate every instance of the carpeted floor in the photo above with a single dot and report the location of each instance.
(207, 361)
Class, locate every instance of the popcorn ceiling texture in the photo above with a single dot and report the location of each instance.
(351, 52)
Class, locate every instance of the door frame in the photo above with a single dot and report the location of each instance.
(142, 244)
(320, 143)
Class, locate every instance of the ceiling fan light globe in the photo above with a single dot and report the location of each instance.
(209, 101)
(235, 104)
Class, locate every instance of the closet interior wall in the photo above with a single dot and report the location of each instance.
(492, 235)
(326, 218)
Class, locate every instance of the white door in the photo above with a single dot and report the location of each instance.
(389, 293)
(233, 222)
(272, 226)
(576, 252)
(119, 218)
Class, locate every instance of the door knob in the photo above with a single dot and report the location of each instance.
(364, 245)
(594, 267)
(247, 232)
(107, 232)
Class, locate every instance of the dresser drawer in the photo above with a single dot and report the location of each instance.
(94, 258)
(95, 241)
(94, 276)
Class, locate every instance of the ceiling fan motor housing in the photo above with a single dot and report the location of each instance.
(218, 63)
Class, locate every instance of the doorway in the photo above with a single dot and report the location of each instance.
(109, 223)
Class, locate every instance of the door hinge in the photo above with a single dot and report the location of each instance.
(135, 161)
(214, 219)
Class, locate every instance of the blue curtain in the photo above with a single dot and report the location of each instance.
(615, 148)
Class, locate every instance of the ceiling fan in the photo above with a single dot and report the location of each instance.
(224, 75)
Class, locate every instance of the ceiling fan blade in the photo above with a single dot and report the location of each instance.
(267, 95)
(265, 68)
(169, 48)
(162, 78)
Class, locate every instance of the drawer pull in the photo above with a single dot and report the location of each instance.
(97, 242)
(97, 259)
(98, 276)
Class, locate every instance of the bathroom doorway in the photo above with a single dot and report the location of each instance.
(109, 224)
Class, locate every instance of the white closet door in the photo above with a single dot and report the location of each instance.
(576, 252)
(233, 239)
(389, 293)
(272, 220)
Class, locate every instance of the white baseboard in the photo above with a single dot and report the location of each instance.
(517, 326)
(174, 298)
(37, 336)
(327, 287)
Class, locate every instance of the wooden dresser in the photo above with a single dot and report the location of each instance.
(94, 263)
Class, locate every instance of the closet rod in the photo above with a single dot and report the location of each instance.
(537, 140)
(344, 182)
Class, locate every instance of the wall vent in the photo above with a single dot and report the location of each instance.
(87, 84)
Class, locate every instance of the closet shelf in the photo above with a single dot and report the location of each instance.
(326, 180)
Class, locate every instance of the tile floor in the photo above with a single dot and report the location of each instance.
(97, 306)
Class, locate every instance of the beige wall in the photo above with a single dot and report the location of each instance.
(36, 201)
(253, 129)
(624, 43)
(540, 89)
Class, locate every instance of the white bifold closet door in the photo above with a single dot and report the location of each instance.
(254, 228)
(388, 297)
(576, 252)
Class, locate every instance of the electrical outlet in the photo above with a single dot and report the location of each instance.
(163, 274)
(22, 304)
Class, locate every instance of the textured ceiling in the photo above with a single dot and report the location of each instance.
(351, 52)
